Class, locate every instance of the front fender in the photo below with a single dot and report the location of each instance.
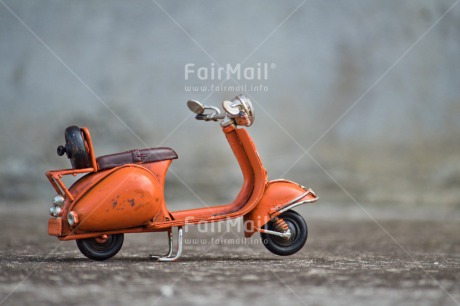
(279, 196)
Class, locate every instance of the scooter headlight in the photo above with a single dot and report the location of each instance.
(57, 211)
(58, 200)
(52, 210)
(72, 218)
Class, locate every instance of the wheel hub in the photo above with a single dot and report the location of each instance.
(287, 241)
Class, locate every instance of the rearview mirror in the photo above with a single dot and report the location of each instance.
(195, 107)
(230, 108)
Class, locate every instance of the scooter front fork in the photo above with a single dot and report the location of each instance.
(168, 256)
(282, 229)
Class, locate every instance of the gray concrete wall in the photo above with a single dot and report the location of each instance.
(90, 61)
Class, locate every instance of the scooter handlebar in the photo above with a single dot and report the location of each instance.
(240, 109)
(209, 117)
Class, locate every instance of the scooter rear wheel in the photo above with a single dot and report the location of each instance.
(283, 246)
(101, 249)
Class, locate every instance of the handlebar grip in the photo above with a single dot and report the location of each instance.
(201, 117)
(207, 117)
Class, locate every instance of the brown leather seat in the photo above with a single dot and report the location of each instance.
(143, 156)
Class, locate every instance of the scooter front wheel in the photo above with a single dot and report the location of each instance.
(101, 248)
(284, 246)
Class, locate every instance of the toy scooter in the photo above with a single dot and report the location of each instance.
(124, 193)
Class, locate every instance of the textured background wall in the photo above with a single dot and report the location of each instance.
(89, 61)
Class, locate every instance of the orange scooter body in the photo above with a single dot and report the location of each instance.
(130, 198)
(127, 197)
(116, 196)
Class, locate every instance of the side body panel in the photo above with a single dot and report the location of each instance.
(128, 197)
(124, 197)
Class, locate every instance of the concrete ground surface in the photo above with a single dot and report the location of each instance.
(411, 257)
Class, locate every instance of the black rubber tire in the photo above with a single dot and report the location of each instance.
(101, 251)
(282, 246)
(76, 148)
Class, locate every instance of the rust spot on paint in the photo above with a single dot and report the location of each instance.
(115, 201)
(132, 202)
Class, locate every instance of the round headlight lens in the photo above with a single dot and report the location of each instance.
(58, 200)
(72, 218)
(52, 211)
(57, 211)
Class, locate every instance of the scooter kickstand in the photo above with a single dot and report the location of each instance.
(179, 248)
(169, 254)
